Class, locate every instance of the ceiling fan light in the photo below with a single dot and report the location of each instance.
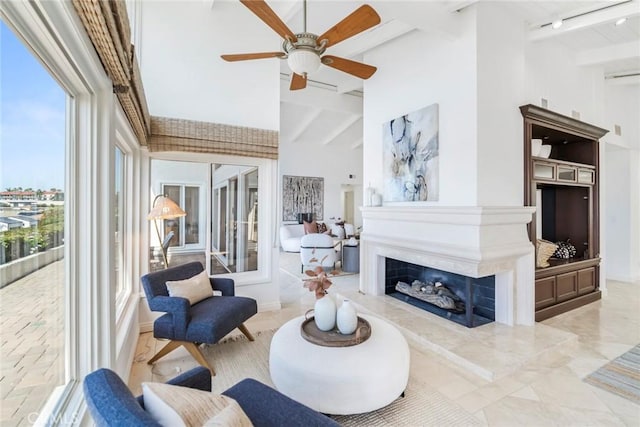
(303, 61)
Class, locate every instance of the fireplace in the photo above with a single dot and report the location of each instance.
(468, 301)
(474, 242)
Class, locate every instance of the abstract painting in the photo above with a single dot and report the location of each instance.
(302, 194)
(410, 158)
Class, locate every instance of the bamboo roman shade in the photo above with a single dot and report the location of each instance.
(107, 25)
(202, 137)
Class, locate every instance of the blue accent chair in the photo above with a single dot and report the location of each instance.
(111, 403)
(187, 325)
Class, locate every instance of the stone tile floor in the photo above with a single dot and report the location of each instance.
(31, 343)
(546, 390)
(541, 390)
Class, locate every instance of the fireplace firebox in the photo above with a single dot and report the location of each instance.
(474, 297)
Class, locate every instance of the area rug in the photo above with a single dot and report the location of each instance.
(620, 376)
(236, 358)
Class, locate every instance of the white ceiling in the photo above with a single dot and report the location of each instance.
(587, 31)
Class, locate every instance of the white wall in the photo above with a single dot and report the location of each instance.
(500, 68)
(184, 76)
(332, 162)
(551, 73)
(415, 71)
(622, 197)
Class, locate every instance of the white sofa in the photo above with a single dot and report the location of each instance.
(290, 235)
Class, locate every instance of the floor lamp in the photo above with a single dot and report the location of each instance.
(164, 208)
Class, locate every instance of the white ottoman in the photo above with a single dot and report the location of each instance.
(340, 380)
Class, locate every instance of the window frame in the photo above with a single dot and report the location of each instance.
(267, 172)
(55, 35)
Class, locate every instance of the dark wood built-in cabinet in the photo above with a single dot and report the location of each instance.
(565, 190)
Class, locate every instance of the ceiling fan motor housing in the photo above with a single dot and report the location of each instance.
(303, 56)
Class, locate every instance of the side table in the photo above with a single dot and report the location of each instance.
(351, 259)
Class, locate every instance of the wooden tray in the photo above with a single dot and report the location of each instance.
(334, 338)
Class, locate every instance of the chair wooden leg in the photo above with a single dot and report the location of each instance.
(172, 345)
(192, 348)
(246, 332)
(195, 351)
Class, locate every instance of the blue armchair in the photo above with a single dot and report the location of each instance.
(191, 325)
(111, 403)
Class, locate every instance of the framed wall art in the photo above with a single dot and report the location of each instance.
(302, 194)
(410, 158)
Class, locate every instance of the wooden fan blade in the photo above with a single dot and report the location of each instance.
(361, 19)
(247, 56)
(297, 82)
(269, 17)
(357, 69)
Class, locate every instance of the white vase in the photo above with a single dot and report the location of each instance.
(347, 318)
(324, 313)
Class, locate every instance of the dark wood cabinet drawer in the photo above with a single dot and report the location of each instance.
(566, 286)
(586, 280)
(545, 292)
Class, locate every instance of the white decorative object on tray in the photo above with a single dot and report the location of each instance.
(545, 151)
(324, 313)
(347, 318)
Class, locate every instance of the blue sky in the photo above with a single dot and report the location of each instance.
(32, 119)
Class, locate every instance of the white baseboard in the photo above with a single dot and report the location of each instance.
(625, 279)
(270, 306)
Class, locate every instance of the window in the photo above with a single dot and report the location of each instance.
(34, 286)
(221, 226)
(85, 301)
(234, 234)
(186, 229)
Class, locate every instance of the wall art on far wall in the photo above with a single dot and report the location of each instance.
(410, 158)
(302, 194)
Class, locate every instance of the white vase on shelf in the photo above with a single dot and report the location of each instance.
(347, 318)
(324, 313)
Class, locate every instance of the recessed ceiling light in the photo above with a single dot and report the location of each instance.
(621, 21)
(556, 24)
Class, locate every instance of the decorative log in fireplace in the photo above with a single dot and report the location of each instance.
(473, 298)
(433, 293)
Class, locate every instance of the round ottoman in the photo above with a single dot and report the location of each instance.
(340, 380)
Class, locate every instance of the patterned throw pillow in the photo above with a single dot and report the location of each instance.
(322, 227)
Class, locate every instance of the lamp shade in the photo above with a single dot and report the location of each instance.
(165, 208)
(302, 61)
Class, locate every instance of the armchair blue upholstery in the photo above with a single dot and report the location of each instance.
(111, 403)
(187, 325)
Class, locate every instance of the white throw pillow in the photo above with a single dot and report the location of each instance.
(172, 406)
(195, 288)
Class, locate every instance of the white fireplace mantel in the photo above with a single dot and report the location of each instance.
(472, 241)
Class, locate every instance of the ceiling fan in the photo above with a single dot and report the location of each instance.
(303, 51)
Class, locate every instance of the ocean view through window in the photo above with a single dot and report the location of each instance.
(32, 234)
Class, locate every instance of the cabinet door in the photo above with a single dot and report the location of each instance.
(586, 280)
(545, 292)
(567, 286)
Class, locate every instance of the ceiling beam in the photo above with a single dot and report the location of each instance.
(322, 99)
(340, 129)
(623, 80)
(603, 55)
(589, 19)
(304, 124)
(357, 144)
